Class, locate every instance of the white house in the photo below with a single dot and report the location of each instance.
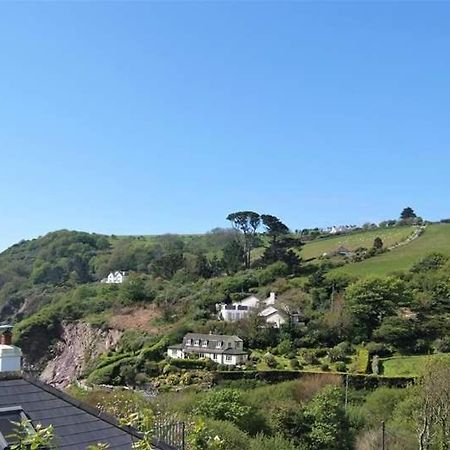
(274, 315)
(222, 349)
(116, 277)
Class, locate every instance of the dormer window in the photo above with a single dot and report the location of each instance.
(205, 343)
(197, 342)
(188, 342)
(219, 344)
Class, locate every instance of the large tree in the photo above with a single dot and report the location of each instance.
(407, 213)
(247, 222)
(371, 300)
(274, 226)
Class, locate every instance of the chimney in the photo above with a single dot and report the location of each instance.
(10, 355)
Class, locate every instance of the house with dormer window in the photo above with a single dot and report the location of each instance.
(222, 349)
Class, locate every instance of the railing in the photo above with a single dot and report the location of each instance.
(171, 434)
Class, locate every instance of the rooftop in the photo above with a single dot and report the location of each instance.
(76, 425)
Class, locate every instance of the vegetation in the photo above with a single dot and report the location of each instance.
(383, 312)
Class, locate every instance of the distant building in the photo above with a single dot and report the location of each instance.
(222, 349)
(116, 277)
(273, 313)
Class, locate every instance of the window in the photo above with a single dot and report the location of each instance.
(189, 342)
(7, 428)
(205, 344)
(230, 345)
(228, 358)
(219, 344)
(214, 355)
(197, 342)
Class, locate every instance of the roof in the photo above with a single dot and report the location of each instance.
(213, 337)
(75, 424)
(268, 311)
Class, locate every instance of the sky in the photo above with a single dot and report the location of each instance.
(156, 117)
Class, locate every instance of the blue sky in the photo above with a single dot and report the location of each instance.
(147, 117)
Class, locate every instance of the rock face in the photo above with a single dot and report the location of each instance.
(79, 344)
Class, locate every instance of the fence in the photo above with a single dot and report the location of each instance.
(170, 435)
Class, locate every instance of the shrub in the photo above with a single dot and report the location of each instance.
(376, 365)
(189, 363)
(362, 362)
(224, 404)
(442, 345)
(325, 367)
(278, 442)
(270, 360)
(377, 348)
(341, 366)
(295, 365)
(233, 438)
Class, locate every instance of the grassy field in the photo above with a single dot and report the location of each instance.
(389, 236)
(436, 238)
(406, 366)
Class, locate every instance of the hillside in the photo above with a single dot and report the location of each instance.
(175, 283)
(436, 238)
(389, 236)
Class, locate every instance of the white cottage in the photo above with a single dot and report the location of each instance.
(273, 314)
(222, 349)
(117, 277)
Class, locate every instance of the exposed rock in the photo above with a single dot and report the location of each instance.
(79, 344)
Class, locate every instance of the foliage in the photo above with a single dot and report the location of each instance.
(329, 425)
(362, 361)
(370, 300)
(225, 404)
(201, 438)
(29, 437)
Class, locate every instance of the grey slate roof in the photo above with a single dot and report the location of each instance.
(75, 425)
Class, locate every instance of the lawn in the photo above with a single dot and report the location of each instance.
(436, 238)
(405, 366)
(389, 236)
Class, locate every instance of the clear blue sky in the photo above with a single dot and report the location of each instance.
(143, 118)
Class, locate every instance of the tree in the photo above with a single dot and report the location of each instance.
(225, 404)
(274, 226)
(407, 213)
(247, 222)
(433, 419)
(378, 243)
(233, 257)
(371, 300)
(329, 425)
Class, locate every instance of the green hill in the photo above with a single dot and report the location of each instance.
(436, 238)
(389, 236)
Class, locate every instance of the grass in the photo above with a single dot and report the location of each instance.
(405, 366)
(389, 236)
(436, 238)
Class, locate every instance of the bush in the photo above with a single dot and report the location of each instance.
(189, 363)
(270, 360)
(295, 365)
(277, 442)
(341, 366)
(442, 345)
(232, 437)
(362, 362)
(377, 348)
(325, 367)
(224, 404)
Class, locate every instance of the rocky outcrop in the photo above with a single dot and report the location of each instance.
(79, 345)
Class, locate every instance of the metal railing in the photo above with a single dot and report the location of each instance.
(170, 433)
